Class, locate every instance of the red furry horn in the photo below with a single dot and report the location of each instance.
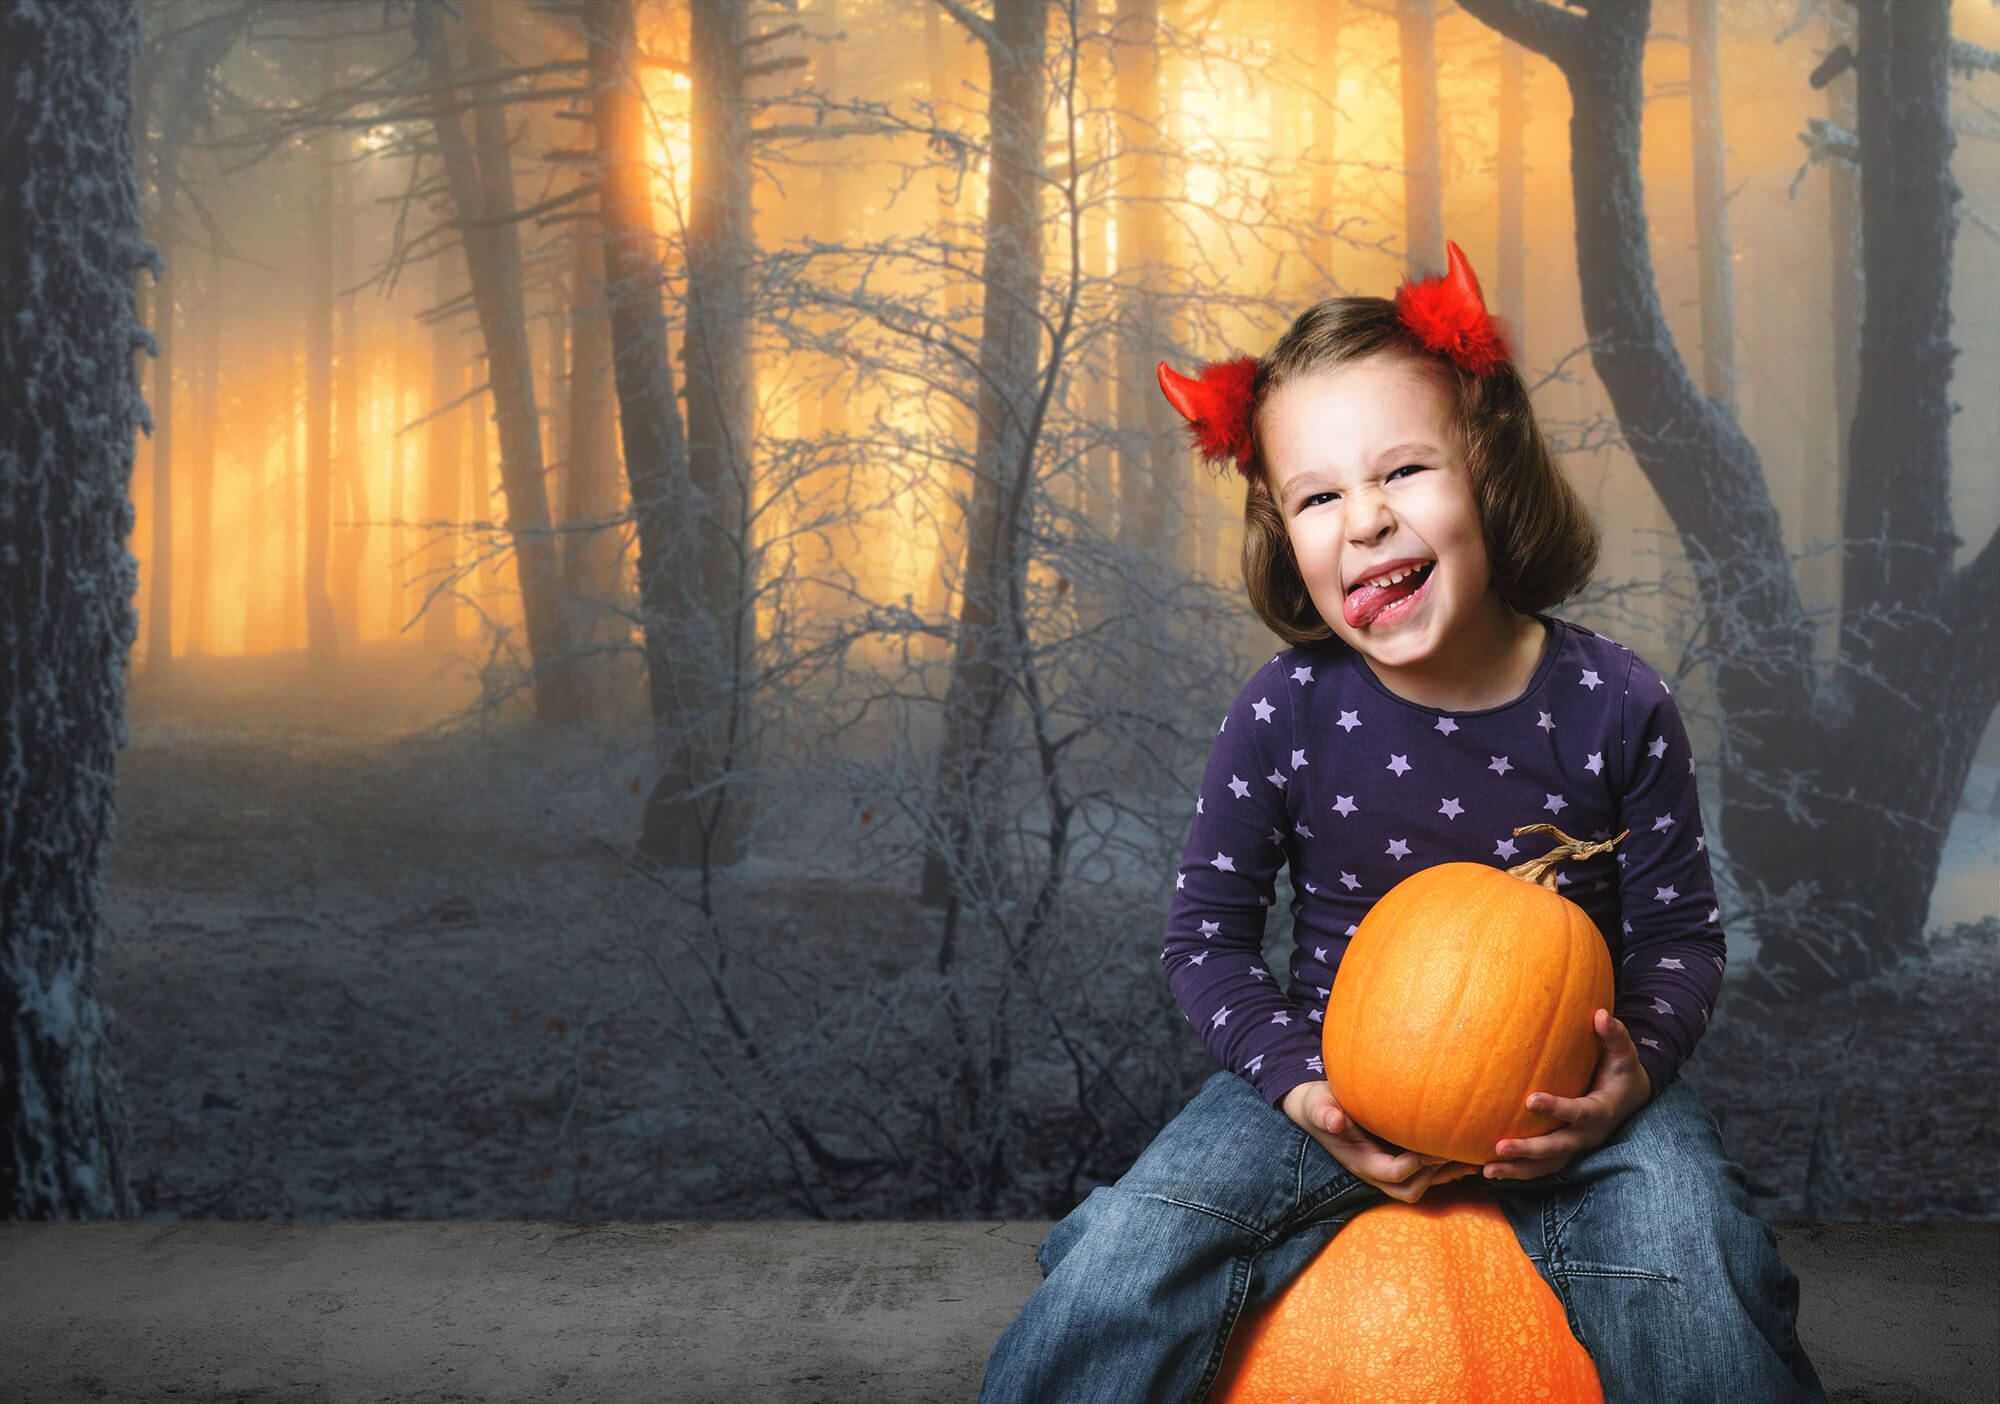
(1449, 316)
(1217, 408)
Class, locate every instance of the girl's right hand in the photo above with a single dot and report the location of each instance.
(1403, 1176)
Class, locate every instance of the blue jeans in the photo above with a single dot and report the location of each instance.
(1668, 1279)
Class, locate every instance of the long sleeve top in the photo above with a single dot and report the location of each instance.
(1319, 766)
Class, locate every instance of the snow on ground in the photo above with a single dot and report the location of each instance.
(357, 972)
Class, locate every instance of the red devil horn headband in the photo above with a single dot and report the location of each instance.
(1447, 314)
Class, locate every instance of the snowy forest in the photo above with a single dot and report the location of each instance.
(603, 617)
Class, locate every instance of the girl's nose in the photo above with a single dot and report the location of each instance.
(1369, 518)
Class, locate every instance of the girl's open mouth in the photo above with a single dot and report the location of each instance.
(1371, 605)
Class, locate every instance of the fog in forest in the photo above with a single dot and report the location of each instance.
(678, 636)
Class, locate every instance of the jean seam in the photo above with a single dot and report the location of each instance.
(1239, 1291)
(1209, 1210)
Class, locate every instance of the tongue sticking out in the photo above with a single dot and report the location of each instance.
(1363, 605)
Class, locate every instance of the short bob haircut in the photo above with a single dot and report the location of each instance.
(1540, 539)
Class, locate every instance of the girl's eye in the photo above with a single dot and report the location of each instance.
(1318, 498)
(1407, 468)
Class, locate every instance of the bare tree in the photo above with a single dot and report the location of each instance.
(482, 189)
(69, 414)
(1009, 414)
(1837, 790)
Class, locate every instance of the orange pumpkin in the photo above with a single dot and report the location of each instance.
(1464, 989)
(1432, 1301)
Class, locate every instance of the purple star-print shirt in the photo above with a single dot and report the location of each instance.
(1319, 766)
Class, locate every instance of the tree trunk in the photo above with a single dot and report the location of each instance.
(482, 189)
(349, 541)
(1510, 267)
(1150, 458)
(1835, 799)
(1327, 17)
(1711, 207)
(322, 640)
(593, 543)
(69, 412)
(1009, 359)
(201, 537)
(443, 492)
(160, 562)
(654, 443)
(1821, 511)
(1423, 151)
(695, 815)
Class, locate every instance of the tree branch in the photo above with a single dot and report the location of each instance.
(1533, 24)
(975, 23)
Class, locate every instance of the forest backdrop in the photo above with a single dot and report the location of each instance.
(741, 418)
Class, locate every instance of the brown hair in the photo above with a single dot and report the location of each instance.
(1539, 537)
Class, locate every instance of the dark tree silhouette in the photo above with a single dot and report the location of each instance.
(1837, 790)
(70, 242)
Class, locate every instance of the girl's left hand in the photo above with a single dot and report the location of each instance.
(1618, 1088)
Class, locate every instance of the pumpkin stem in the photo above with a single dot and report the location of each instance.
(1542, 870)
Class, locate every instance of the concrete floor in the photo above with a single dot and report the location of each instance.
(783, 1312)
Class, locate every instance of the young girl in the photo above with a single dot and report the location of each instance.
(1405, 528)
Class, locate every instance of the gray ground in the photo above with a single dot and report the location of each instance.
(359, 976)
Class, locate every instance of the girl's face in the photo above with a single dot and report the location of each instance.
(1385, 529)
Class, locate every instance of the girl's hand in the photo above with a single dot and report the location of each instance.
(1403, 1176)
(1618, 1088)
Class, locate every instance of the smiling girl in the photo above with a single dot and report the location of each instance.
(1406, 530)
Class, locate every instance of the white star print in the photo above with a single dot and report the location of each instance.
(1714, 916)
(1303, 832)
(1650, 1042)
(1554, 804)
(1344, 805)
(1451, 809)
(1700, 843)
(1250, 1068)
(1319, 954)
(1277, 839)
(1669, 963)
(1664, 894)
(1263, 708)
(1665, 821)
(1198, 957)
(1302, 674)
(1591, 680)
(1224, 727)
(1664, 687)
(1398, 848)
(1348, 721)
(1197, 804)
(1562, 879)
(1660, 1006)
(1258, 972)
(1298, 759)
(1281, 1017)
(1349, 881)
(1239, 787)
(1500, 765)
(1221, 1017)
(1506, 848)
(1657, 747)
(1547, 722)
(1223, 863)
(1180, 881)
(1211, 928)
(1314, 890)
(1351, 929)
(1447, 725)
(1595, 765)
(1315, 1064)
(1316, 1015)
(1399, 764)
(1276, 778)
